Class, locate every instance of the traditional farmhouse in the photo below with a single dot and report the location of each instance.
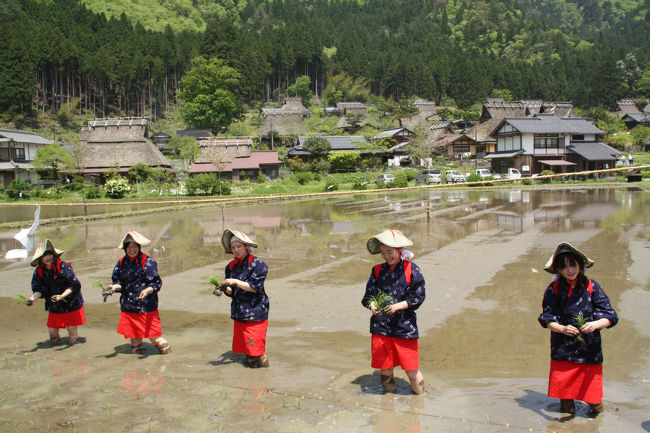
(234, 159)
(543, 141)
(286, 120)
(496, 109)
(630, 106)
(399, 138)
(117, 143)
(426, 115)
(161, 140)
(633, 120)
(458, 146)
(17, 149)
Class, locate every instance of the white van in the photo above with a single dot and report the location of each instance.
(513, 173)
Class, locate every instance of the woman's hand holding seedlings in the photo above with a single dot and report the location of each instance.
(143, 294)
(394, 308)
(590, 327)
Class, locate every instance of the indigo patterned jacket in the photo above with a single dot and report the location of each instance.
(134, 278)
(247, 306)
(402, 324)
(54, 282)
(562, 309)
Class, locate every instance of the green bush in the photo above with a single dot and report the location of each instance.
(331, 187)
(261, 178)
(527, 181)
(546, 173)
(474, 178)
(303, 177)
(401, 181)
(360, 184)
(410, 175)
(92, 191)
(19, 189)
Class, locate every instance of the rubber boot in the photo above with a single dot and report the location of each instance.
(567, 406)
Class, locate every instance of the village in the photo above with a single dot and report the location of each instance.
(510, 139)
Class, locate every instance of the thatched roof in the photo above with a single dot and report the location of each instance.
(224, 149)
(286, 120)
(106, 143)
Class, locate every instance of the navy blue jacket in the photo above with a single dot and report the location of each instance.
(402, 324)
(562, 309)
(134, 278)
(247, 306)
(54, 282)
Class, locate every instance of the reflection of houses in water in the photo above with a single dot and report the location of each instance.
(511, 221)
(591, 214)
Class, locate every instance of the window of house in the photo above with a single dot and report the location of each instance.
(579, 137)
(4, 153)
(18, 153)
(547, 141)
(461, 148)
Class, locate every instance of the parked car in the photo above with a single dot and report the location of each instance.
(430, 175)
(513, 173)
(385, 178)
(454, 176)
(484, 173)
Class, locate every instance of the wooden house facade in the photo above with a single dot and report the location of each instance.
(17, 150)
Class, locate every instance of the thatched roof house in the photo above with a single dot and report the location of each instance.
(118, 142)
(224, 149)
(426, 116)
(286, 120)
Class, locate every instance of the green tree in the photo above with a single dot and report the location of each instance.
(53, 157)
(317, 146)
(643, 85)
(185, 147)
(140, 172)
(209, 94)
(301, 88)
(343, 160)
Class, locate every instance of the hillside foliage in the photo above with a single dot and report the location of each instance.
(128, 57)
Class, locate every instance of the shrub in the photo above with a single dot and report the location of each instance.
(546, 173)
(261, 178)
(401, 181)
(117, 187)
(331, 187)
(302, 177)
(360, 184)
(18, 189)
(527, 181)
(92, 191)
(474, 178)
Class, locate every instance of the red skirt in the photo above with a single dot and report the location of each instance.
(389, 352)
(250, 338)
(570, 380)
(140, 325)
(63, 320)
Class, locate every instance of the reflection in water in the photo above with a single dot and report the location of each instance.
(483, 251)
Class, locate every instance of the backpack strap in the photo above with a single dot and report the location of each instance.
(590, 288)
(57, 269)
(407, 271)
(144, 260)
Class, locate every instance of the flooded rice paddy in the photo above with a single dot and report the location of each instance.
(484, 356)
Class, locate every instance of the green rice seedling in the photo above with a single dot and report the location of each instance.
(105, 291)
(20, 299)
(581, 320)
(381, 301)
(219, 287)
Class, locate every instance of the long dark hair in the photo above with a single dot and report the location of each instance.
(560, 262)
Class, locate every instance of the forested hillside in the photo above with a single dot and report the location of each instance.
(130, 59)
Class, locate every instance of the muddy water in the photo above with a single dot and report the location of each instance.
(484, 357)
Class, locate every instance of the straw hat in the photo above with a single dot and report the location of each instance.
(42, 248)
(391, 238)
(565, 247)
(134, 236)
(229, 234)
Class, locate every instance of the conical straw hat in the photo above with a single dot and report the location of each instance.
(42, 248)
(134, 236)
(565, 247)
(228, 235)
(391, 238)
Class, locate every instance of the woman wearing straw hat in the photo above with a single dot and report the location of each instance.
(56, 282)
(394, 327)
(249, 308)
(136, 277)
(575, 309)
